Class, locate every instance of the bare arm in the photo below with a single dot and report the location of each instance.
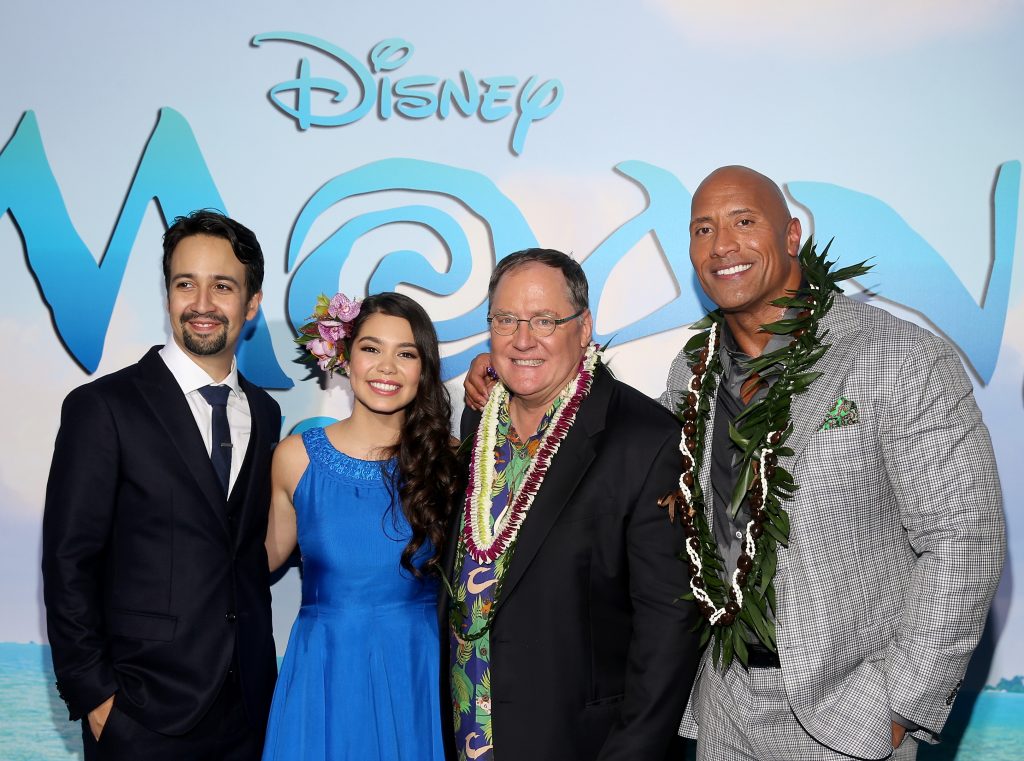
(289, 463)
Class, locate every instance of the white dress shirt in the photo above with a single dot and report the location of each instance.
(191, 377)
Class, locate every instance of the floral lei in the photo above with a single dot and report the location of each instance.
(480, 540)
(738, 605)
(329, 325)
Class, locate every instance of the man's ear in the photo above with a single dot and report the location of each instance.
(587, 327)
(793, 234)
(253, 306)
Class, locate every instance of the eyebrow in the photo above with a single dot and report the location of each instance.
(374, 339)
(538, 313)
(733, 213)
(193, 276)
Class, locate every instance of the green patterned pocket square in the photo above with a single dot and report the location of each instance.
(844, 412)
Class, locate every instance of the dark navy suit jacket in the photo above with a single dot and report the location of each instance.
(153, 581)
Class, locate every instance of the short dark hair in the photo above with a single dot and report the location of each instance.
(575, 280)
(209, 222)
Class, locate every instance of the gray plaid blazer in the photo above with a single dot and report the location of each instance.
(897, 534)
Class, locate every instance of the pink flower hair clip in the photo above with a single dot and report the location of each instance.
(328, 327)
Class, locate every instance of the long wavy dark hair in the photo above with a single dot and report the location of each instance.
(428, 479)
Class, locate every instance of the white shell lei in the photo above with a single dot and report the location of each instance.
(484, 542)
(693, 542)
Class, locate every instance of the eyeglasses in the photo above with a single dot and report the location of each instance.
(507, 324)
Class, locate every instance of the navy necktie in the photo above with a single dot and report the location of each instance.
(220, 450)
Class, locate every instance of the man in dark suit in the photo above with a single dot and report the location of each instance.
(566, 640)
(154, 569)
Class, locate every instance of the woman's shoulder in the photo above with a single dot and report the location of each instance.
(291, 450)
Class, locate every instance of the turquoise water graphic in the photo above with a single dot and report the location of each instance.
(35, 726)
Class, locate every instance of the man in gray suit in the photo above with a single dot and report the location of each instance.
(896, 532)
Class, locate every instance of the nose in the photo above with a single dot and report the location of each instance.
(724, 243)
(523, 338)
(204, 300)
(386, 364)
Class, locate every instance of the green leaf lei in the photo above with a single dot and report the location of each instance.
(743, 604)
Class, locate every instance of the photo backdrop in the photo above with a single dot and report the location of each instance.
(408, 146)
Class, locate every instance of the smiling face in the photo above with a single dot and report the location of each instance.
(743, 242)
(384, 366)
(536, 368)
(207, 301)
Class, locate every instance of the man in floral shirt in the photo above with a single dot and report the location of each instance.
(567, 640)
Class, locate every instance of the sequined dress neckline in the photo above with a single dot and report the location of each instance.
(329, 457)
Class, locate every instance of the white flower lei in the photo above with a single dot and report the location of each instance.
(484, 542)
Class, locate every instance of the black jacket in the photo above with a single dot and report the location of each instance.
(151, 579)
(592, 655)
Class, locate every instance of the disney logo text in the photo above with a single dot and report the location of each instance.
(414, 97)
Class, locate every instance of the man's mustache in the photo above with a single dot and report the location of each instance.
(211, 316)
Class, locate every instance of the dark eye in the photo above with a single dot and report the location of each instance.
(408, 355)
(701, 230)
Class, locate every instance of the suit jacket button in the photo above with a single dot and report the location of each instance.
(230, 617)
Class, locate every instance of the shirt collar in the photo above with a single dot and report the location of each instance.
(511, 435)
(191, 376)
(735, 361)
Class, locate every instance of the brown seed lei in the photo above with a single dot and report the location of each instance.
(742, 605)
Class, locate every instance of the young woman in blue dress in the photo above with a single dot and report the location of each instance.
(366, 500)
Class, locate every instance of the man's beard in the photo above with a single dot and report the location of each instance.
(204, 346)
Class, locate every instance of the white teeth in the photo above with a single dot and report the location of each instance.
(734, 270)
(381, 386)
(528, 362)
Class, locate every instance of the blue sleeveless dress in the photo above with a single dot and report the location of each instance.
(359, 679)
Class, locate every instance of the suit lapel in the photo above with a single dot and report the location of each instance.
(164, 397)
(567, 469)
(809, 408)
(705, 466)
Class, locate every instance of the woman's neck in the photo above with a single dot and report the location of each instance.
(371, 433)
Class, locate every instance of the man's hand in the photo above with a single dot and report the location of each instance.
(898, 733)
(478, 382)
(98, 717)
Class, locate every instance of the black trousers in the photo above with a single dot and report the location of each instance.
(682, 750)
(223, 734)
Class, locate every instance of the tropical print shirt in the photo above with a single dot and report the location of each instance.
(476, 588)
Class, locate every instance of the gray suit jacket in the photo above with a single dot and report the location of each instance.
(897, 534)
